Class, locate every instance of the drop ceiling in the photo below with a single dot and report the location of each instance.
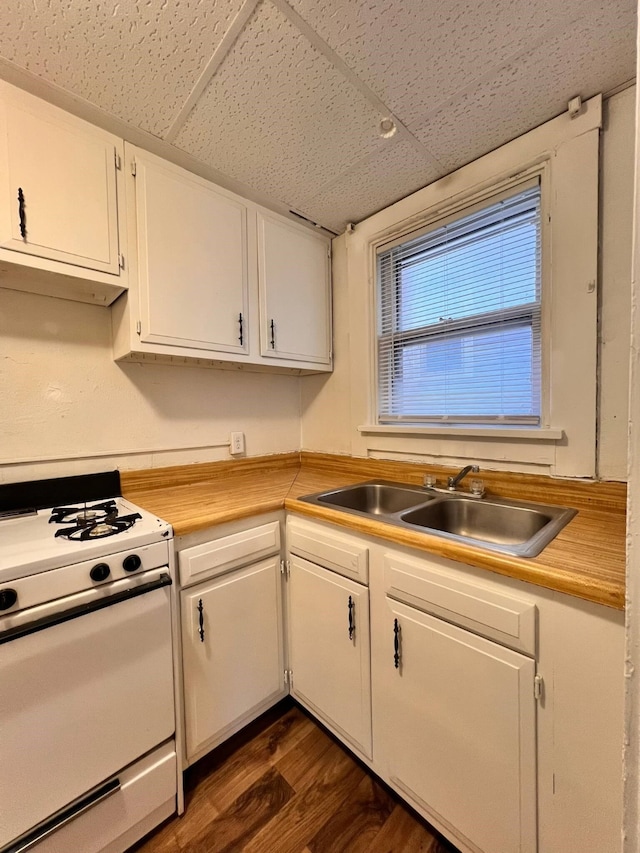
(283, 100)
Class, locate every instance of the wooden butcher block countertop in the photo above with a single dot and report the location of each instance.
(586, 559)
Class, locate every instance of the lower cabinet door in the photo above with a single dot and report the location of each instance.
(232, 648)
(329, 649)
(456, 715)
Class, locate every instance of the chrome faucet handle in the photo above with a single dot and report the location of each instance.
(452, 482)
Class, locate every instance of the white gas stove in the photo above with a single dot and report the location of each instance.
(86, 664)
(33, 541)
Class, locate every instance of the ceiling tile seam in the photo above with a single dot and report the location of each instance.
(341, 66)
(216, 60)
(496, 69)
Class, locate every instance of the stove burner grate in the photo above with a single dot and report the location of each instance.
(85, 515)
(109, 525)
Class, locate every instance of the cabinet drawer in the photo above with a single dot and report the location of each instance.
(228, 552)
(147, 796)
(506, 618)
(344, 554)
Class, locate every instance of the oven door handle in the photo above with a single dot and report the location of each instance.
(82, 609)
(62, 817)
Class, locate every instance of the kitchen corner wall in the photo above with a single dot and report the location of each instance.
(326, 400)
(66, 407)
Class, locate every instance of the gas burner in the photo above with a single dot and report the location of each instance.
(85, 515)
(109, 525)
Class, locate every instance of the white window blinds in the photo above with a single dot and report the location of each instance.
(459, 318)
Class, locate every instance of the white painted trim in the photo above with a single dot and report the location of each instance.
(99, 454)
(541, 434)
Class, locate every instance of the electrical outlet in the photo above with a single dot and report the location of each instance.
(237, 443)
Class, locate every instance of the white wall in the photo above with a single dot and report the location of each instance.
(327, 424)
(62, 397)
(326, 399)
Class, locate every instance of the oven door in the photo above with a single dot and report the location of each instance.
(86, 687)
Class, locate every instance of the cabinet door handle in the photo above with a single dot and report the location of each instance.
(201, 620)
(352, 624)
(273, 334)
(241, 338)
(396, 643)
(22, 214)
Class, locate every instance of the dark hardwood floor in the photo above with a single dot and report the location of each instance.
(284, 785)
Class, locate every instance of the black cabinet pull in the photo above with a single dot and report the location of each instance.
(22, 214)
(241, 338)
(396, 644)
(201, 620)
(352, 624)
(273, 335)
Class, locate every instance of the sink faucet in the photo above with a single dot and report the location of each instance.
(452, 482)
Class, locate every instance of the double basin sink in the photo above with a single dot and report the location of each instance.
(512, 527)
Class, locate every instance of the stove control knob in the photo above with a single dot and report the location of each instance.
(8, 598)
(100, 572)
(131, 563)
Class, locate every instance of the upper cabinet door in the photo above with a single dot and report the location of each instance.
(58, 185)
(295, 292)
(192, 259)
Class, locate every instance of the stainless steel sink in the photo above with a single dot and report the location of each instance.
(511, 527)
(516, 528)
(378, 498)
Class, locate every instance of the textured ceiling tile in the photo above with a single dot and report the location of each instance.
(136, 59)
(416, 55)
(277, 115)
(391, 174)
(593, 56)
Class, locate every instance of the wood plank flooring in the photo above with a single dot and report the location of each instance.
(284, 785)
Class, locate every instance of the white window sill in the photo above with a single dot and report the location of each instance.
(510, 432)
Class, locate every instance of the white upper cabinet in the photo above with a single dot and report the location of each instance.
(58, 201)
(214, 279)
(191, 259)
(207, 266)
(295, 305)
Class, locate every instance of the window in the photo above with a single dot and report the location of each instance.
(459, 308)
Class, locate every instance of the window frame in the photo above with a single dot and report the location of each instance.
(467, 206)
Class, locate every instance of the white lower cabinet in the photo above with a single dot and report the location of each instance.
(232, 651)
(329, 649)
(492, 706)
(232, 633)
(455, 715)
